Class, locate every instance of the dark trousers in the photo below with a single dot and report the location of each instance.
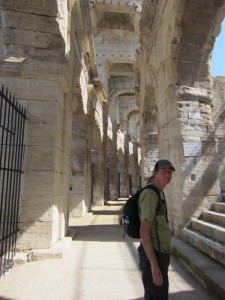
(153, 292)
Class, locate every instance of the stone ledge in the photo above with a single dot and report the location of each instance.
(207, 270)
(55, 252)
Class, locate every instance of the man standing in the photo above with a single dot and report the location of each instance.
(154, 250)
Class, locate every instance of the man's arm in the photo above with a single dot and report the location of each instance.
(145, 233)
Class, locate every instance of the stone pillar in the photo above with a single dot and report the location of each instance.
(33, 67)
(150, 153)
(112, 166)
(218, 115)
(98, 167)
(44, 200)
(122, 148)
(133, 168)
(187, 138)
(80, 194)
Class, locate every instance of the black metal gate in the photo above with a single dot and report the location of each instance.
(12, 123)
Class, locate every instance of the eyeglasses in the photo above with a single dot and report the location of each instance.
(170, 173)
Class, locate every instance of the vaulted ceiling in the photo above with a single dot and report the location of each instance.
(116, 29)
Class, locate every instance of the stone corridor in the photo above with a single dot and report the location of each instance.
(109, 87)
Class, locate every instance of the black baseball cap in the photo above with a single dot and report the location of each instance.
(163, 163)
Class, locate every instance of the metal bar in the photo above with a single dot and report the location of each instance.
(2, 133)
(6, 187)
(20, 159)
(11, 195)
(15, 188)
(3, 199)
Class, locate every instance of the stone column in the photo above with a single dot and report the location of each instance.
(34, 69)
(45, 184)
(192, 144)
(218, 115)
(150, 152)
(80, 166)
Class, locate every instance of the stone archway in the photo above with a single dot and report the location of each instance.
(179, 59)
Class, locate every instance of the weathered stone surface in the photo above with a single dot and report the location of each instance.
(106, 99)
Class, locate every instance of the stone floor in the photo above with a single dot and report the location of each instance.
(97, 264)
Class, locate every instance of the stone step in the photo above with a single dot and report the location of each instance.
(122, 199)
(213, 217)
(211, 247)
(210, 272)
(219, 207)
(217, 232)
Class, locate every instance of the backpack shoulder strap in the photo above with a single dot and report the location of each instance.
(153, 187)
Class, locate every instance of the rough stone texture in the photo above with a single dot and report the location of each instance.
(218, 114)
(173, 63)
(106, 98)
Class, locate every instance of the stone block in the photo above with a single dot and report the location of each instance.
(43, 111)
(33, 89)
(39, 183)
(40, 134)
(39, 158)
(43, 8)
(36, 208)
(20, 37)
(30, 22)
(34, 235)
(77, 209)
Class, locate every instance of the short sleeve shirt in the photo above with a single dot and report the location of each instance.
(160, 230)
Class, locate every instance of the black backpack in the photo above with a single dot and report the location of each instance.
(130, 217)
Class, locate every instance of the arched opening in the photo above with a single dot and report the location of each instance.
(218, 61)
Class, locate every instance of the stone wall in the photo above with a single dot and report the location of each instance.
(59, 69)
(76, 73)
(34, 69)
(218, 115)
(173, 65)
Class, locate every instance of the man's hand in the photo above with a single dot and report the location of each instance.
(157, 276)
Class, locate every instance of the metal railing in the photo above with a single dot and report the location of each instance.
(12, 124)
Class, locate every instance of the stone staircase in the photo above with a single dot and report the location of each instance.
(207, 233)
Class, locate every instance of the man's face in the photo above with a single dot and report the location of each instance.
(165, 175)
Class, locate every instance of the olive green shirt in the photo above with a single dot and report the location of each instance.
(147, 203)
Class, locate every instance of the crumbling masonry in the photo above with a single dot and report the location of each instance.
(110, 87)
